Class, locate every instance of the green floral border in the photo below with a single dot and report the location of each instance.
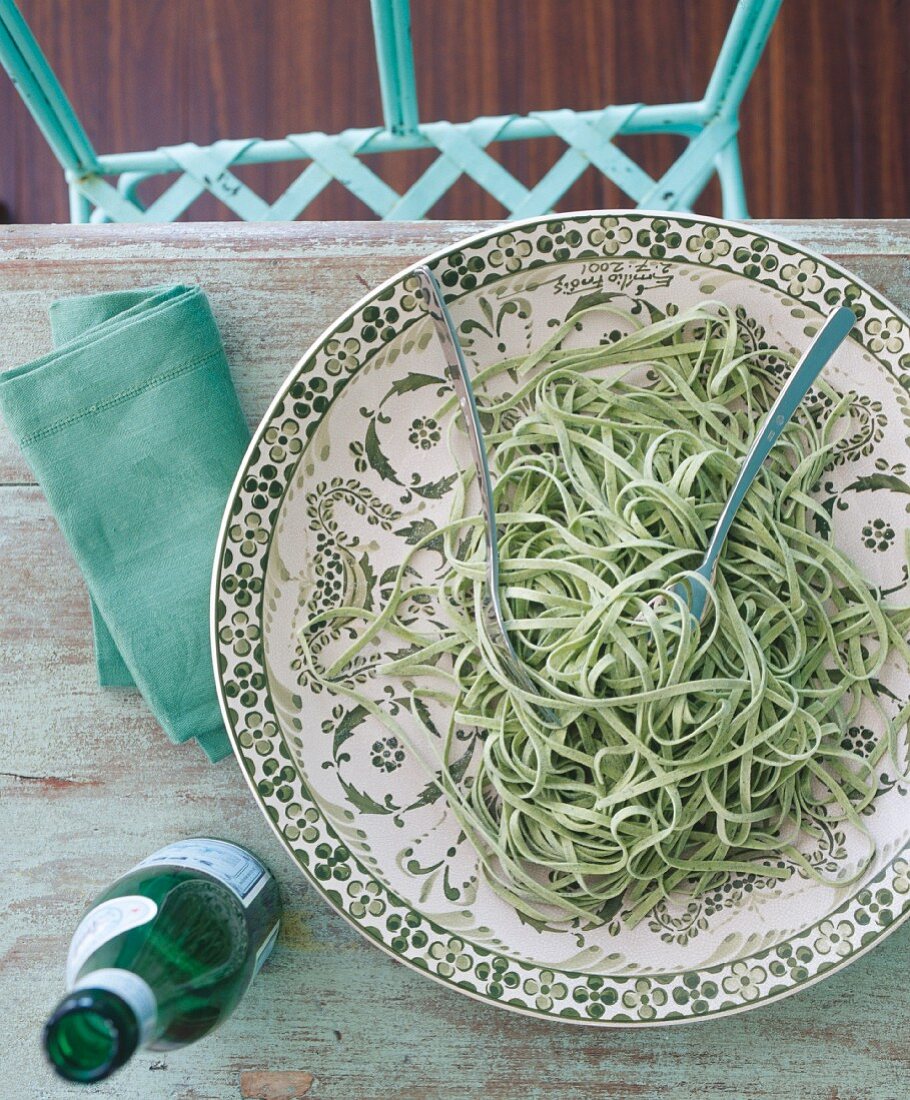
(242, 561)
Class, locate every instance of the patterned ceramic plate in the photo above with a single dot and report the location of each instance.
(349, 468)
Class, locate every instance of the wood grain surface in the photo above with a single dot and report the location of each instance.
(89, 784)
(823, 131)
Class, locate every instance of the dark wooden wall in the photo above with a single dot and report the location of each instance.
(825, 127)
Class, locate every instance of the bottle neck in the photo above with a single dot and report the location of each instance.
(100, 1024)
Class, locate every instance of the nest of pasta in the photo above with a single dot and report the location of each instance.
(681, 752)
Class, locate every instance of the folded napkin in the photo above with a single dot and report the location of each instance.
(133, 430)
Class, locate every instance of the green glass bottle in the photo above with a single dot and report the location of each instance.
(162, 956)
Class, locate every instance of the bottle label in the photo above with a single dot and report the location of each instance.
(102, 923)
(234, 866)
(266, 949)
(131, 988)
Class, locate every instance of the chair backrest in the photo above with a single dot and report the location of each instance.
(711, 124)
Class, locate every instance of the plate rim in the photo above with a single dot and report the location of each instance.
(491, 231)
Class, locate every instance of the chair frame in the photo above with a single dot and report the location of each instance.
(103, 187)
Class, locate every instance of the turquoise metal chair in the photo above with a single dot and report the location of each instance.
(103, 187)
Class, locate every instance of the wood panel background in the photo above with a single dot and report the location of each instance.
(824, 128)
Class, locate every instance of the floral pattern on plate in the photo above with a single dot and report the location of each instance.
(350, 469)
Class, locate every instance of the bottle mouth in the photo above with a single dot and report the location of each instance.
(82, 1043)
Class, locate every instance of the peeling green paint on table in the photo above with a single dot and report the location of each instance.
(88, 784)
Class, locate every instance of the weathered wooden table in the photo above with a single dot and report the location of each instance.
(89, 784)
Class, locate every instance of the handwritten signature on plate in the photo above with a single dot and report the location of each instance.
(620, 276)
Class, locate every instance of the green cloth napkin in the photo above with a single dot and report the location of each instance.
(132, 428)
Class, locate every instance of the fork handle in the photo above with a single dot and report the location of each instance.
(460, 379)
(814, 358)
(458, 375)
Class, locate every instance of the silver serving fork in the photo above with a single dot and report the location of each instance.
(693, 588)
(494, 620)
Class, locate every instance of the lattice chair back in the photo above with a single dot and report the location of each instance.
(103, 187)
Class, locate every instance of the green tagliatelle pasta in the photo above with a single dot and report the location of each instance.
(682, 753)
